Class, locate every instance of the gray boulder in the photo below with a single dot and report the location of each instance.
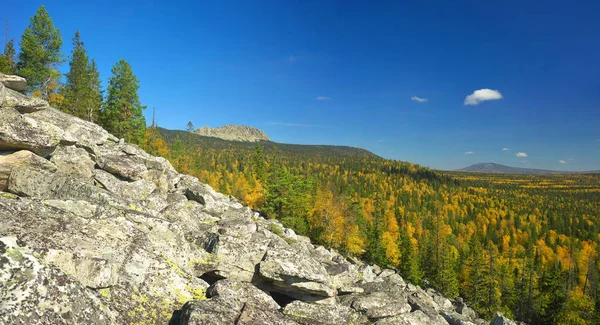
(414, 318)
(18, 101)
(9, 160)
(73, 162)
(33, 293)
(378, 305)
(13, 82)
(317, 314)
(501, 320)
(233, 302)
(454, 318)
(300, 276)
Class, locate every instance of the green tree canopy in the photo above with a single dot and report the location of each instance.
(8, 64)
(82, 93)
(40, 53)
(122, 113)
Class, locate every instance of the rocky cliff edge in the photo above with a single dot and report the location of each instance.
(234, 133)
(94, 230)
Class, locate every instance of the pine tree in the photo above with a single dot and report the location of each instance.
(8, 64)
(190, 127)
(82, 93)
(446, 279)
(409, 261)
(552, 294)
(476, 279)
(122, 113)
(40, 54)
(94, 100)
(288, 199)
(375, 251)
(259, 167)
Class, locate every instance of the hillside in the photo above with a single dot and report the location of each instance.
(94, 230)
(421, 221)
(200, 141)
(234, 133)
(493, 168)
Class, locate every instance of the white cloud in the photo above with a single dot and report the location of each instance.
(419, 99)
(323, 98)
(505, 149)
(481, 95)
(521, 154)
(562, 161)
(469, 153)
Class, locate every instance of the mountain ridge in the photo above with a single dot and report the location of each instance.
(234, 133)
(494, 168)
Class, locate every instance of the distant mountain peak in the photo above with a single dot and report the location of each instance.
(493, 168)
(234, 133)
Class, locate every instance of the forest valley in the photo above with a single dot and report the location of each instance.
(523, 245)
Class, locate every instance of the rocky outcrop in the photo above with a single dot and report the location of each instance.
(234, 133)
(96, 231)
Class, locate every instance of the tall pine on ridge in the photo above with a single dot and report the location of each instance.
(122, 111)
(82, 93)
(40, 56)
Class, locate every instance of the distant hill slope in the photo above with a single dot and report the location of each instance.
(492, 168)
(267, 146)
(234, 133)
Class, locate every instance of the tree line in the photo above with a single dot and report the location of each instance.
(81, 93)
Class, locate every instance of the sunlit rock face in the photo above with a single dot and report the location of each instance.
(234, 133)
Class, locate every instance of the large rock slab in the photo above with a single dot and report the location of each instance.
(233, 302)
(454, 318)
(19, 131)
(131, 163)
(33, 293)
(138, 190)
(378, 305)
(73, 162)
(13, 82)
(317, 314)
(420, 300)
(140, 265)
(414, 318)
(10, 160)
(18, 101)
(295, 274)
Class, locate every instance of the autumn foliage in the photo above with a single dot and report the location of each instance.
(523, 245)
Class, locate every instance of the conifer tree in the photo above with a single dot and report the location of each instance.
(259, 167)
(122, 113)
(8, 64)
(552, 295)
(82, 93)
(94, 100)
(190, 127)
(409, 261)
(288, 199)
(40, 54)
(446, 279)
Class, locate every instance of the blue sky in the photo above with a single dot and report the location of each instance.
(344, 73)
